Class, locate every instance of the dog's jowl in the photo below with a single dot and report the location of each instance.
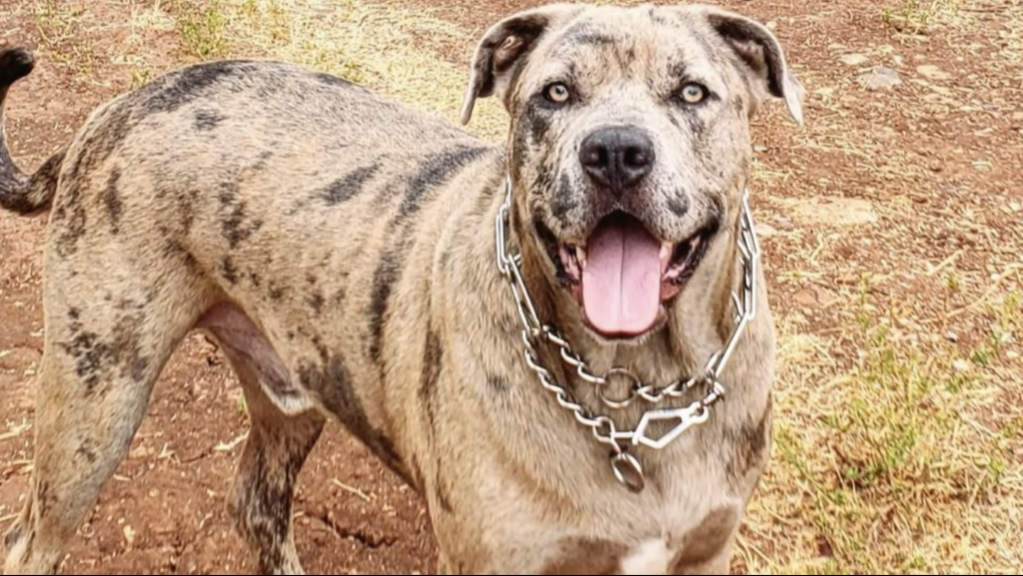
(562, 341)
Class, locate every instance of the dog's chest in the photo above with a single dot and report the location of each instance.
(690, 526)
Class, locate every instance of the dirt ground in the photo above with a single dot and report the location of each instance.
(892, 229)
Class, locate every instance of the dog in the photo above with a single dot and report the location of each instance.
(562, 341)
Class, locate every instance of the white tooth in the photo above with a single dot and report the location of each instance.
(665, 251)
(580, 256)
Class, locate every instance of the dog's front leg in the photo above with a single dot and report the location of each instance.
(275, 451)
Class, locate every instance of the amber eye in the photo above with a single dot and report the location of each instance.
(693, 93)
(557, 93)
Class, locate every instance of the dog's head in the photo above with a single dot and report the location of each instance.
(629, 142)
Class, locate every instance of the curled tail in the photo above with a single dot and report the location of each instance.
(20, 192)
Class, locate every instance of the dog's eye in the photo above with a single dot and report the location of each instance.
(557, 93)
(693, 93)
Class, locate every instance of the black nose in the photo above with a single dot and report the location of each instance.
(617, 157)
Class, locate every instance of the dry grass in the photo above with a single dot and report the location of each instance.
(371, 45)
(899, 444)
(915, 16)
(906, 461)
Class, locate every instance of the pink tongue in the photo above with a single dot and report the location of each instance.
(622, 279)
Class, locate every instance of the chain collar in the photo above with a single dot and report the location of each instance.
(624, 465)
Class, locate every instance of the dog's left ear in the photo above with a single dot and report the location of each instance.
(761, 53)
(503, 49)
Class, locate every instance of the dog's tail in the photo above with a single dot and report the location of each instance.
(20, 192)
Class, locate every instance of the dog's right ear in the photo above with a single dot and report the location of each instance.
(503, 49)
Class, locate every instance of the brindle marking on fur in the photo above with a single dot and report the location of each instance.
(432, 173)
(497, 383)
(270, 467)
(580, 555)
(330, 382)
(190, 84)
(87, 450)
(316, 301)
(206, 120)
(69, 208)
(174, 249)
(92, 355)
(705, 541)
(186, 206)
(262, 515)
(126, 348)
(536, 122)
(112, 200)
(433, 356)
(232, 224)
(276, 293)
(44, 499)
(87, 351)
(562, 201)
(228, 270)
(657, 17)
(351, 184)
(339, 295)
(272, 85)
(383, 278)
(678, 204)
(338, 81)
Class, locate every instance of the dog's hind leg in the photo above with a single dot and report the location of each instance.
(110, 328)
(277, 445)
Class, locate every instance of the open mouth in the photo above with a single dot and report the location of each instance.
(623, 274)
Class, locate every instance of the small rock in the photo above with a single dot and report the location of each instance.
(759, 148)
(771, 25)
(961, 365)
(933, 72)
(129, 535)
(880, 78)
(765, 230)
(853, 59)
(952, 336)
